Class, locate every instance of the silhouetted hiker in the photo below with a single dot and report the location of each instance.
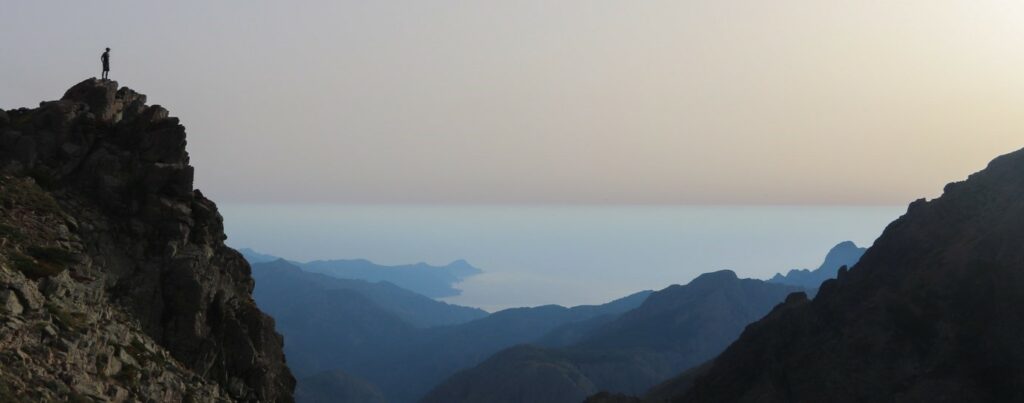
(105, 58)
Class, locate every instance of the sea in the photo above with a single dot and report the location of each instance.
(569, 255)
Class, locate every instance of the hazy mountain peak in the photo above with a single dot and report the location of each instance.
(845, 253)
(715, 277)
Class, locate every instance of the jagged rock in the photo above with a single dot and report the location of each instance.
(9, 303)
(119, 265)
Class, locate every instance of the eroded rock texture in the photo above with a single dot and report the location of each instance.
(115, 282)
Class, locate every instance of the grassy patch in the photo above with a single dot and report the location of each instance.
(6, 394)
(57, 256)
(35, 268)
(30, 267)
(24, 193)
(20, 118)
(44, 177)
(11, 232)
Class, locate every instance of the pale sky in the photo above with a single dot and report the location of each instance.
(588, 101)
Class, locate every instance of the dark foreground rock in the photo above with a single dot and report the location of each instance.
(115, 283)
(933, 312)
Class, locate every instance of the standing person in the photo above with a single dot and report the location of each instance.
(105, 58)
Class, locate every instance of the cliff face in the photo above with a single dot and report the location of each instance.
(932, 312)
(114, 278)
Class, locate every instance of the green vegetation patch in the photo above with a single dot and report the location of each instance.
(30, 267)
(42, 261)
(23, 193)
(57, 256)
(6, 394)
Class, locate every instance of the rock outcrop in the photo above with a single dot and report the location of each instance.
(933, 312)
(115, 282)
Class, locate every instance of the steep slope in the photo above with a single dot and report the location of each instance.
(329, 328)
(114, 277)
(844, 254)
(932, 312)
(332, 323)
(674, 329)
(285, 280)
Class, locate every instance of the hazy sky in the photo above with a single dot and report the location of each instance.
(592, 101)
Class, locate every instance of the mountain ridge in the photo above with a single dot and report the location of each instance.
(422, 278)
(674, 329)
(931, 312)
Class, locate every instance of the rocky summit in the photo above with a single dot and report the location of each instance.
(115, 283)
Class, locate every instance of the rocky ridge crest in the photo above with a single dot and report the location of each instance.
(115, 282)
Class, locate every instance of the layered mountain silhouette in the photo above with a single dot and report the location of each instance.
(844, 254)
(931, 313)
(115, 283)
(337, 387)
(674, 329)
(437, 353)
(431, 281)
(284, 281)
(334, 323)
(399, 342)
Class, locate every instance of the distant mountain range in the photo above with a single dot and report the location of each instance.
(348, 337)
(844, 254)
(399, 342)
(674, 329)
(337, 387)
(331, 323)
(284, 280)
(422, 278)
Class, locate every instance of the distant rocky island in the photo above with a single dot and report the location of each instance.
(115, 283)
